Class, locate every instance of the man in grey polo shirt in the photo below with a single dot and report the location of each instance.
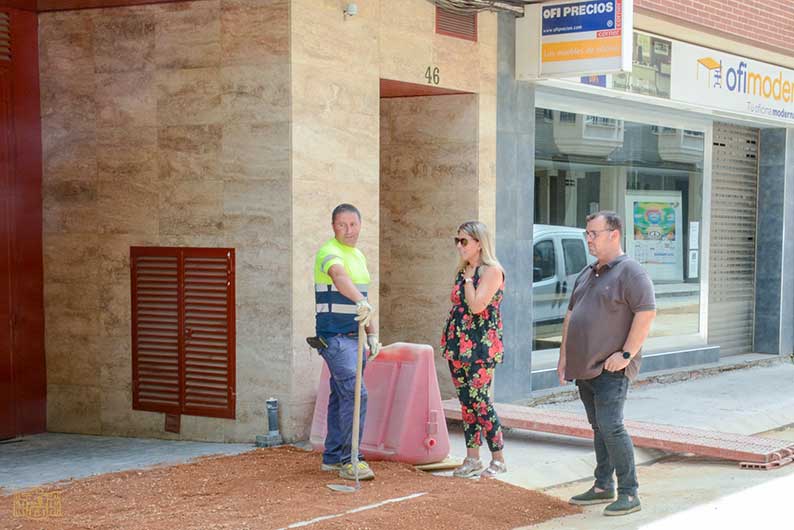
(609, 316)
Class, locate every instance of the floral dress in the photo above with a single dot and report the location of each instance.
(472, 345)
(473, 338)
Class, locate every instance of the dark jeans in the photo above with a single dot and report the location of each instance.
(603, 398)
(340, 356)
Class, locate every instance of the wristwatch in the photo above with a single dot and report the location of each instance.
(626, 355)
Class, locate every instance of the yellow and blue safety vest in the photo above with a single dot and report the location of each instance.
(336, 313)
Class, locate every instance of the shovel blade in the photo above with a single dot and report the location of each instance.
(342, 488)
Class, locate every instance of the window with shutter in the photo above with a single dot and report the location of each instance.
(460, 25)
(183, 332)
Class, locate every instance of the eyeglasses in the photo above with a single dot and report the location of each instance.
(592, 234)
(462, 241)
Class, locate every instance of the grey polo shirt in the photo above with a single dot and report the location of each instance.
(603, 304)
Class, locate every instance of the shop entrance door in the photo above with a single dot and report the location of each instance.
(734, 201)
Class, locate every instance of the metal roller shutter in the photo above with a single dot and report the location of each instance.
(734, 201)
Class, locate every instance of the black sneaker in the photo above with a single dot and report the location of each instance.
(624, 505)
(592, 496)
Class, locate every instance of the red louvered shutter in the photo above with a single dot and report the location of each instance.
(209, 333)
(155, 330)
(183, 333)
(460, 25)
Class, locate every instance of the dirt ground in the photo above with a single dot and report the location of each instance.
(274, 488)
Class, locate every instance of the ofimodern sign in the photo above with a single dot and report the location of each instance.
(722, 81)
(563, 38)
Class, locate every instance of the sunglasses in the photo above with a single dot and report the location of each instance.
(462, 241)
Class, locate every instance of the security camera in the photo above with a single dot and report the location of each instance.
(351, 10)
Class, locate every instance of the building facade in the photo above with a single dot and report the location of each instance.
(237, 126)
(692, 148)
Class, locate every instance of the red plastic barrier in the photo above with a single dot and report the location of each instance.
(405, 420)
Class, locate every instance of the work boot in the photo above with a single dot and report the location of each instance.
(624, 505)
(364, 472)
(471, 468)
(496, 467)
(330, 467)
(592, 496)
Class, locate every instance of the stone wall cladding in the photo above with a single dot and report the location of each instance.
(428, 188)
(163, 125)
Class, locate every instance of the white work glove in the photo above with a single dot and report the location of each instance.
(374, 345)
(363, 311)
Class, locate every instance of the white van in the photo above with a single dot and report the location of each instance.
(559, 255)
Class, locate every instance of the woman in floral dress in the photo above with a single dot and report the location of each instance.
(472, 345)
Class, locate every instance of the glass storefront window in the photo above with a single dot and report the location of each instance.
(653, 177)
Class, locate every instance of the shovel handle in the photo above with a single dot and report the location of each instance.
(362, 333)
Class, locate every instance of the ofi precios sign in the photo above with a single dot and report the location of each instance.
(579, 10)
(563, 38)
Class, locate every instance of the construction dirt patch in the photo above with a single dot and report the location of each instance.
(275, 488)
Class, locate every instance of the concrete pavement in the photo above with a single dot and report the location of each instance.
(681, 492)
(52, 457)
(677, 491)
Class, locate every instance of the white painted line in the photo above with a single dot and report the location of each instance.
(354, 510)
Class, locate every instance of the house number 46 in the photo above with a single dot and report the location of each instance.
(433, 75)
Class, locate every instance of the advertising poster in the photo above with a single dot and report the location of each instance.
(575, 37)
(653, 233)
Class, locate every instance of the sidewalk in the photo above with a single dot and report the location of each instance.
(747, 401)
(52, 457)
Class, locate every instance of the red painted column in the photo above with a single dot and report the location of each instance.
(23, 272)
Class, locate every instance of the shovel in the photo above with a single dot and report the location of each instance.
(362, 333)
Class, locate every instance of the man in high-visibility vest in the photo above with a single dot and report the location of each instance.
(341, 283)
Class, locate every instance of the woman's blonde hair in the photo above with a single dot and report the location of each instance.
(479, 231)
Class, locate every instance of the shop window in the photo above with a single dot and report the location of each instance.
(545, 264)
(652, 175)
(183, 330)
(459, 25)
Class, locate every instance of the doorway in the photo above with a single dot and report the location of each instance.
(428, 186)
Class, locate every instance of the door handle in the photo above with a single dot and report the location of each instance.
(557, 288)
(565, 287)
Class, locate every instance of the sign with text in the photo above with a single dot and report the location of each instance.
(707, 78)
(575, 38)
(723, 81)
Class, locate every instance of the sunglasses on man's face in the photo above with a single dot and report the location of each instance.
(462, 241)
